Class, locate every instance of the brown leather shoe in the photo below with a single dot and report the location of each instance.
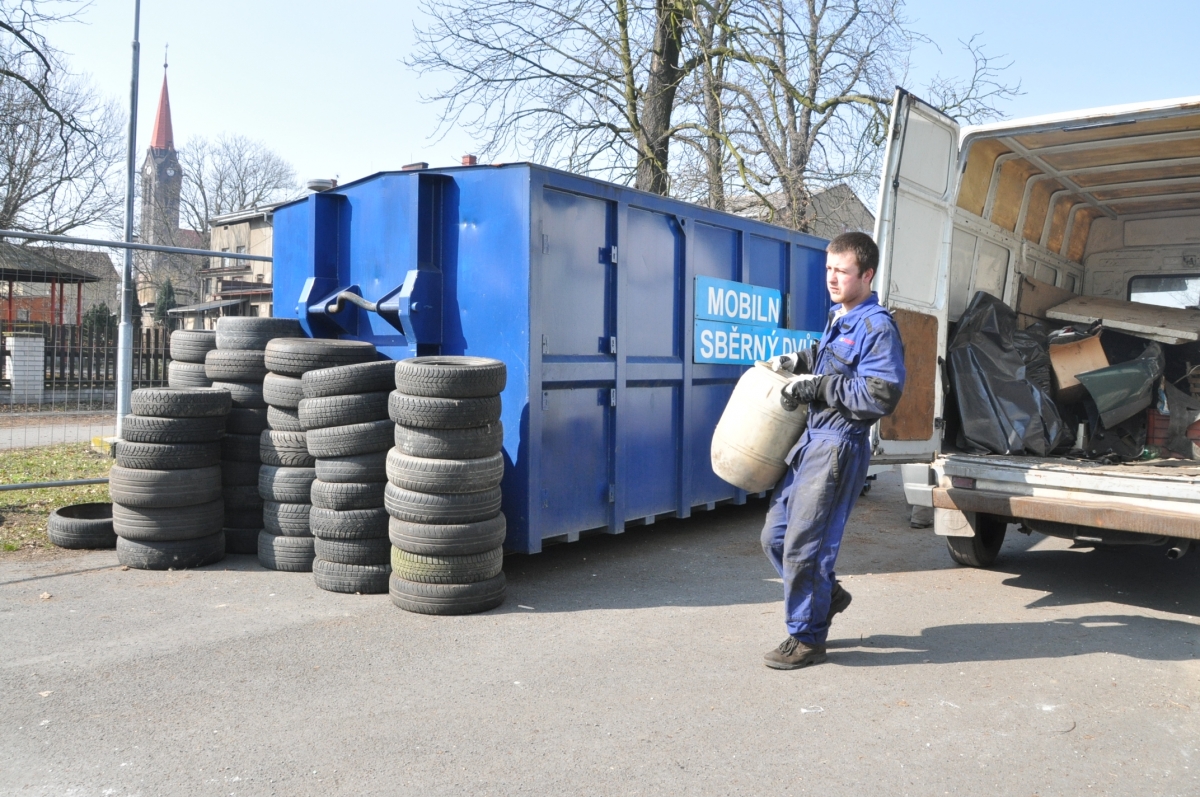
(839, 600)
(792, 654)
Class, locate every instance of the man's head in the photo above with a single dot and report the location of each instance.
(850, 263)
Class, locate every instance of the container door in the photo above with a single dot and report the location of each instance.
(913, 229)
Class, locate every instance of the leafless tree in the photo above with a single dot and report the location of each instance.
(230, 174)
(29, 60)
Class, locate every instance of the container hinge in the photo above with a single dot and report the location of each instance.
(612, 397)
(612, 254)
(612, 345)
(612, 493)
(545, 244)
(545, 344)
(546, 400)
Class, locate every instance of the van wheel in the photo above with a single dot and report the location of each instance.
(980, 550)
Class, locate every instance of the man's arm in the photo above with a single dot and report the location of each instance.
(877, 388)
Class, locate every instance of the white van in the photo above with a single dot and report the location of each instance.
(1089, 202)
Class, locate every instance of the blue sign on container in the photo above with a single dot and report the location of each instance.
(737, 302)
(738, 324)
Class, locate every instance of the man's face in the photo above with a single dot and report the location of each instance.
(842, 279)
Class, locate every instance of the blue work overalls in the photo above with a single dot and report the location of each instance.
(861, 359)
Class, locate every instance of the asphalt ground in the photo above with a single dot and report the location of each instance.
(618, 666)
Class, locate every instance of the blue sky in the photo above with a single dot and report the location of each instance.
(325, 86)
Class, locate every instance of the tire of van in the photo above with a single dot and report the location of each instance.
(349, 524)
(293, 357)
(350, 440)
(368, 551)
(320, 413)
(982, 549)
(282, 391)
(447, 599)
(290, 554)
(372, 377)
(451, 377)
(426, 475)
(352, 579)
(167, 402)
(242, 420)
(441, 508)
(480, 441)
(425, 412)
(185, 376)
(132, 487)
(167, 456)
(254, 333)
(361, 468)
(283, 419)
(190, 345)
(235, 365)
(466, 569)
(175, 555)
(244, 395)
(448, 539)
(82, 526)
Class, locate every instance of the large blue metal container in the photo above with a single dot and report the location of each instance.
(584, 288)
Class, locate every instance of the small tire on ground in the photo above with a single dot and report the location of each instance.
(441, 508)
(349, 524)
(319, 413)
(285, 485)
(242, 420)
(426, 475)
(352, 579)
(140, 429)
(174, 555)
(155, 524)
(285, 449)
(346, 441)
(447, 599)
(347, 495)
(241, 541)
(235, 365)
(167, 456)
(448, 539)
(362, 468)
(241, 447)
(369, 551)
(82, 526)
(288, 520)
(254, 333)
(451, 376)
(290, 554)
(282, 391)
(982, 549)
(190, 345)
(293, 357)
(168, 402)
(465, 569)
(187, 376)
(372, 377)
(471, 443)
(425, 412)
(245, 395)
(133, 487)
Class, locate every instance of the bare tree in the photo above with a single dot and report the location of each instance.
(29, 60)
(230, 174)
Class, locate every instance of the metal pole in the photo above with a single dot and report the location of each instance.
(125, 329)
(177, 250)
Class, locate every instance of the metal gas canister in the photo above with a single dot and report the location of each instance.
(756, 431)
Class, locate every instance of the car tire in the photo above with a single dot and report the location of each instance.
(362, 468)
(293, 357)
(441, 508)
(187, 376)
(350, 524)
(174, 555)
(244, 519)
(246, 421)
(470, 443)
(288, 520)
(425, 475)
(342, 496)
(351, 579)
(285, 449)
(351, 440)
(467, 569)
(982, 549)
(241, 541)
(447, 599)
(320, 413)
(235, 365)
(239, 474)
(241, 447)
(242, 499)
(282, 419)
(166, 402)
(451, 376)
(191, 345)
(82, 526)
(289, 554)
(140, 429)
(372, 377)
(254, 333)
(132, 487)
(426, 412)
(167, 456)
(169, 524)
(282, 391)
(243, 395)
(448, 539)
(285, 485)
(368, 551)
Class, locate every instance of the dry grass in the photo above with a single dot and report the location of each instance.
(23, 513)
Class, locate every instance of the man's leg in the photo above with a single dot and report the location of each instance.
(775, 525)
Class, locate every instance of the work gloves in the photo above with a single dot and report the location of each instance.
(800, 361)
(802, 389)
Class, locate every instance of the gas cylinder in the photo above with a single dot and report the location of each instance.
(756, 431)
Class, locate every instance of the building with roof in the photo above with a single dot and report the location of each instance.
(53, 285)
(832, 211)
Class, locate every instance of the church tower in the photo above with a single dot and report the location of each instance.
(162, 180)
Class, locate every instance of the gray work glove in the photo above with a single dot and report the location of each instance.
(784, 363)
(802, 389)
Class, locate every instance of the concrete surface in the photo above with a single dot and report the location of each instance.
(618, 666)
(45, 434)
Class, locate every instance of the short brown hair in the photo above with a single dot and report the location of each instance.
(866, 253)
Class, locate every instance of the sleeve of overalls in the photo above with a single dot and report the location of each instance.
(876, 388)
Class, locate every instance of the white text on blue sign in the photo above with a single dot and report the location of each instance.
(725, 300)
(739, 344)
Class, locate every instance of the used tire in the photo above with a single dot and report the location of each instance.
(447, 599)
(372, 377)
(190, 345)
(241, 447)
(243, 541)
(245, 395)
(244, 498)
(244, 519)
(175, 555)
(347, 495)
(164, 488)
(352, 579)
(139, 429)
(369, 551)
(441, 508)
(471, 443)
(288, 520)
(451, 377)
(293, 357)
(167, 402)
(284, 449)
(282, 391)
(239, 474)
(350, 524)
(167, 456)
(425, 412)
(187, 376)
(319, 413)
(440, 539)
(249, 332)
(363, 468)
(426, 475)
(173, 523)
(235, 365)
(346, 441)
(82, 526)
(285, 485)
(242, 420)
(982, 549)
(290, 554)
(466, 569)
(282, 419)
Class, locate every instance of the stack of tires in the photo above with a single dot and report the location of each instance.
(287, 473)
(188, 349)
(345, 413)
(237, 365)
(168, 510)
(443, 492)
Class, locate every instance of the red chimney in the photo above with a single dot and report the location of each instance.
(469, 160)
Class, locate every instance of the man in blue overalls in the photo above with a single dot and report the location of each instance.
(854, 378)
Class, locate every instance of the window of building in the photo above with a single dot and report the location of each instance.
(262, 278)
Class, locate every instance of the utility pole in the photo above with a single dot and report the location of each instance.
(128, 286)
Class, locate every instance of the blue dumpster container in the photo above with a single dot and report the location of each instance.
(588, 291)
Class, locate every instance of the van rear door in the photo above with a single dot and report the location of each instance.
(913, 229)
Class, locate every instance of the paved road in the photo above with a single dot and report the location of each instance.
(619, 665)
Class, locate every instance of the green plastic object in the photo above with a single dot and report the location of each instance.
(1123, 390)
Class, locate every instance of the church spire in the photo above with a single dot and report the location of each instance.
(163, 137)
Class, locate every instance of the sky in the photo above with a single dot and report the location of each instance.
(325, 84)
